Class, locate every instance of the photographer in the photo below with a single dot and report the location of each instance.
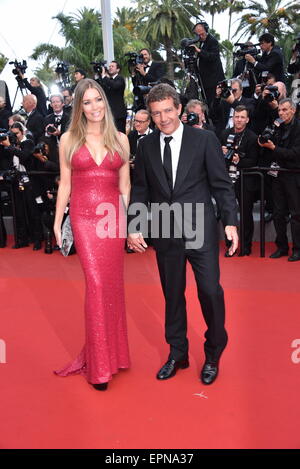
(57, 122)
(195, 115)
(244, 70)
(285, 150)
(17, 155)
(114, 87)
(79, 74)
(229, 95)
(36, 88)
(146, 71)
(34, 121)
(210, 70)
(240, 149)
(294, 65)
(271, 59)
(68, 99)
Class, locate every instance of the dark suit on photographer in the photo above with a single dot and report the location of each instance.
(145, 73)
(247, 148)
(221, 111)
(285, 151)
(114, 87)
(38, 91)
(35, 124)
(210, 69)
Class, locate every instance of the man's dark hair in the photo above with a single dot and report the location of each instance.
(81, 71)
(241, 108)
(267, 37)
(68, 90)
(117, 64)
(145, 48)
(161, 92)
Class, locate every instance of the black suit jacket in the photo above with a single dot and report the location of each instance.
(209, 63)
(65, 120)
(273, 63)
(114, 89)
(220, 111)
(35, 124)
(201, 173)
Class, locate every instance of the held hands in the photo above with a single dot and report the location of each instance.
(136, 242)
(231, 233)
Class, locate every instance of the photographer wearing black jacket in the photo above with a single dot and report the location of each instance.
(285, 151)
(271, 59)
(114, 86)
(239, 145)
(17, 155)
(210, 69)
(229, 95)
(35, 87)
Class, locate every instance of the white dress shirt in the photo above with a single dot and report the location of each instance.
(175, 145)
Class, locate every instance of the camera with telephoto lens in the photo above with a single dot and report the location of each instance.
(274, 93)
(270, 131)
(19, 67)
(226, 89)
(134, 59)
(192, 118)
(186, 44)
(40, 148)
(4, 134)
(246, 49)
(231, 146)
(97, 66)
(62, 68)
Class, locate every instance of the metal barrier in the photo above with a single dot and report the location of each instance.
(259, 171)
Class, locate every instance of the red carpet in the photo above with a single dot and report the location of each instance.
(253, 404)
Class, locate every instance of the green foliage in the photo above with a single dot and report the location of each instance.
(3, 61)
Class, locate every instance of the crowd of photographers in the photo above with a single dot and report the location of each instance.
(255, 121)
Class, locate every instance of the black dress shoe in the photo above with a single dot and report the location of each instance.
(246, 252)
(170, 367)
(279, 253)
(209, 372)
(294, 257)
(100, 386)
(37, 246)
(18, 245)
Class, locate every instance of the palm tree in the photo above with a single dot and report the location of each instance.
(83, 35)
(234, 6)
(166, 23)
(213, 7)
(274, 16)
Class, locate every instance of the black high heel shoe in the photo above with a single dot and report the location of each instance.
(100, 386)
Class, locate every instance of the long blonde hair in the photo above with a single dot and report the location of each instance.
(78, 124)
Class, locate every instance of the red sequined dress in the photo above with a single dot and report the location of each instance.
(98, 224)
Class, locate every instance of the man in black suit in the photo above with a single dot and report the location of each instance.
(222, 109)
(177, 170)
(285, 151)
(245, 156)
(34, 121)
(114, 87)
(141, 123)
(145, 73)
(210, 69)
(271, 59)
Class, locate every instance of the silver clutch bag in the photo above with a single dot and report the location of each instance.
(67, 239)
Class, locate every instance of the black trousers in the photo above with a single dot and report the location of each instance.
(286, 199)
(172, 270)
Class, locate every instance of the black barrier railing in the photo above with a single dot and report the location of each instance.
(258, 171)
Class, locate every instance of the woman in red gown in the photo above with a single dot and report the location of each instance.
(94, 171)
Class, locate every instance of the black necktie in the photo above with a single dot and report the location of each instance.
(167, 162)
(141, 135)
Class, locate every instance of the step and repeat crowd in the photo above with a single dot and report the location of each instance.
(255, 115)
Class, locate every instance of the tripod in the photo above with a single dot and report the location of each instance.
(20, 88)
